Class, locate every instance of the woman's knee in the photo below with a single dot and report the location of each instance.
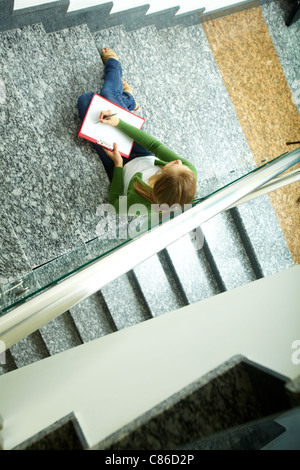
(113, 96)
(83, 103)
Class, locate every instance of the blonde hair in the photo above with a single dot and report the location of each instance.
(170, 188)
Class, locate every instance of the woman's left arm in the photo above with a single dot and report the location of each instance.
(146, 140)
(153, 145)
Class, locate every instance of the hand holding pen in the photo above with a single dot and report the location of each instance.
(107, 117)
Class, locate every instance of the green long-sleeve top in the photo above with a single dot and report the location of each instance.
(154, 146)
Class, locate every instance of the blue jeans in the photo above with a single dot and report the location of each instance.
(112, 90)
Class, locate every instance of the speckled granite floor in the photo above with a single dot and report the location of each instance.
(53, 181)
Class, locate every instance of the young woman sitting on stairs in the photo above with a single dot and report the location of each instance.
(153, 174)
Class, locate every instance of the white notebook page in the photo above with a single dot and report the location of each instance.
(105, 134)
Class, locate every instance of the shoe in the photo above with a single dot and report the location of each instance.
(128, 89)
(107, 54)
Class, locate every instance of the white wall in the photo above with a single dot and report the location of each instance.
(155, 5)
(111, 381)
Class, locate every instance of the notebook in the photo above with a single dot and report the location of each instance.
(103, 134)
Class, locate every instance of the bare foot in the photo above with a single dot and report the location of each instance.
(107, 53)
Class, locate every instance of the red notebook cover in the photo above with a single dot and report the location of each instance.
(103, 134)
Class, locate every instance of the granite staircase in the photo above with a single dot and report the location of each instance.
(53, 182)
(240, 405)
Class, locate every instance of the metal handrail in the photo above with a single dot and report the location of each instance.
(273, 185)
(31, 315)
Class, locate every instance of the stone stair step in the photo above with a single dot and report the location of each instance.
(262, 236)
(125, 303)
(29, 350)
(227, 251)
(192, 268)
(92, 318)
(159, 289)
(60, 334)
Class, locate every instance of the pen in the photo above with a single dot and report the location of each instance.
(108, 117)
